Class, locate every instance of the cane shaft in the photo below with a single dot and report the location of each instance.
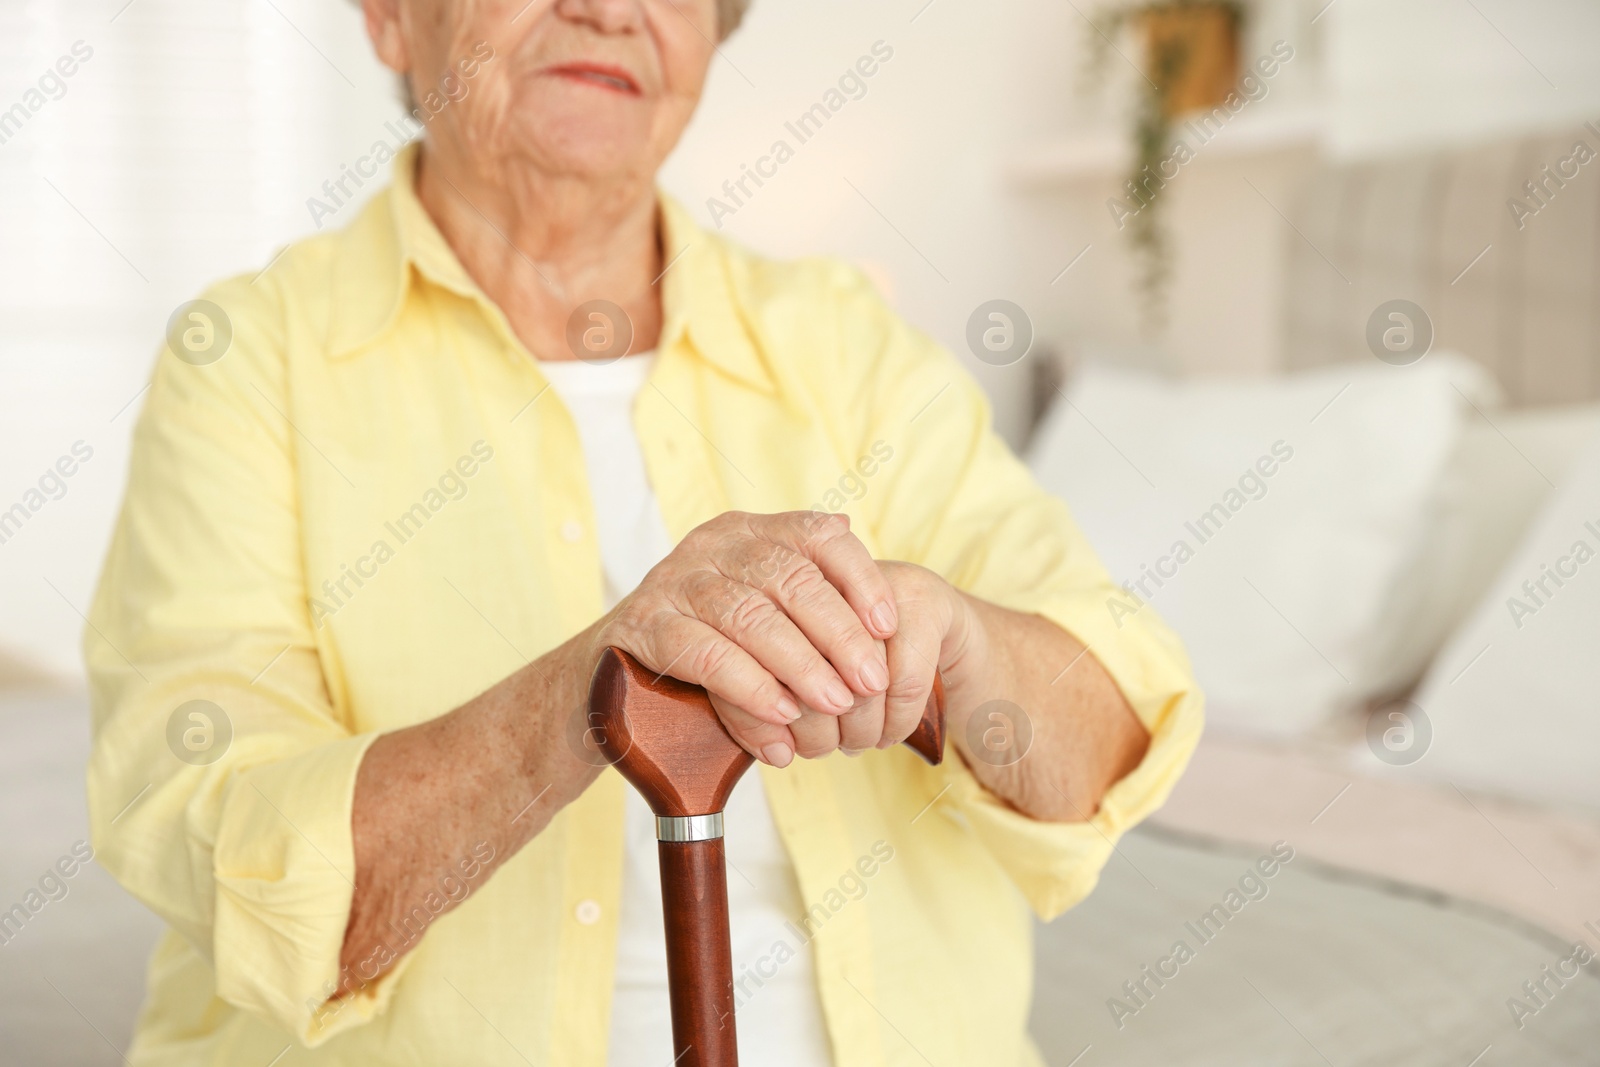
(694, 899)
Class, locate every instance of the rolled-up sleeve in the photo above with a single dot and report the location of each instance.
(955, 499)
(222, 777)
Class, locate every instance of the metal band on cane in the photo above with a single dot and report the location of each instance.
(689, 828)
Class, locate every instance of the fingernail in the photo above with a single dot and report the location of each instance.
(883, 617)
(875, 676)
(852, 752)
(788, 709)
(777, 754)
(839, 696)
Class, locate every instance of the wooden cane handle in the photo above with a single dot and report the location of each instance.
(665, 738)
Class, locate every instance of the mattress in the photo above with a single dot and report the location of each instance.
(1538, 863)
(1317, 965)
(72, 978)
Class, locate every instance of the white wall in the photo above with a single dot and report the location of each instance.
(1408, 74)
(188, 144)
(182, 151)
(929, 213)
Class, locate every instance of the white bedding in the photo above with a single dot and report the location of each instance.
(1536, 862)
(1417, 909)
(1511, 698)
(1317, 966)
(1280, 526)
(71, 981)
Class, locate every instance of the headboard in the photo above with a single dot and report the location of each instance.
(1518, 292)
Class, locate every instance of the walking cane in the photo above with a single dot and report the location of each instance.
(664, 737)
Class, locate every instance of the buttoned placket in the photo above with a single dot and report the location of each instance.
(590, 828)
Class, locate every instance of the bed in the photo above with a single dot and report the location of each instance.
(1429, 885)
(1330, 966)
(72, 978)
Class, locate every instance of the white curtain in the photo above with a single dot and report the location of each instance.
(180, 150)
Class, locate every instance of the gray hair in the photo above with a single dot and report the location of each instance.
(729, 14)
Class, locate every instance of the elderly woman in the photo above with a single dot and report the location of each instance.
(390, 503)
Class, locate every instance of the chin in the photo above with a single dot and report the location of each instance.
(595, 138)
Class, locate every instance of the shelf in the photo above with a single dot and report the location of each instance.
(1101, 153)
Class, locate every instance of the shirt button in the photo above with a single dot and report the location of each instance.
(571, 530)
(588, 912)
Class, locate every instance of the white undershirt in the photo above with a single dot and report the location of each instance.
(777, 1010)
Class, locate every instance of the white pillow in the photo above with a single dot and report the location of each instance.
(1497, 482)
(1284, 595)
(1513, 702)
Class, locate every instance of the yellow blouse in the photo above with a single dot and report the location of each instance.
(354, 504)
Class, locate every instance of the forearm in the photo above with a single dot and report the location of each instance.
(1085, 736)
(492, 772)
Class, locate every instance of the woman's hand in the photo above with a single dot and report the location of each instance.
(936, 632)
(783, 620)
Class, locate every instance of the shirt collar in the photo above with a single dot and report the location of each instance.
(395, 242)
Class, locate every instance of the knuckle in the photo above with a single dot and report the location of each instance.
(700, 533)
(815, 736)
(752, 614)
(765, 694)
(800, 580)
(640, 631)
(761, 562)
(692, 597)
(728, 525)
(716, 600)
(909, 692)
(745, 738)
(843, 631)
(834, 522)
(699, 585)
(861, 734)
(709, 659)
(771, 561)
(818, 528)
(813, 748)
(816, 674)
(713, 529)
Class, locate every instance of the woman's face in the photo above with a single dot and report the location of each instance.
(585, 88)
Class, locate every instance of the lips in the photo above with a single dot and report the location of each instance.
(600, 75)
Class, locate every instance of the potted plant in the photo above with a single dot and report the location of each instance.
(1189, 52)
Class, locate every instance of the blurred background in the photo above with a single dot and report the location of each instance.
(1301, 315)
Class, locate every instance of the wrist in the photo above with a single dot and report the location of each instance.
(966, 663)
(967, 658)
(541, 711)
